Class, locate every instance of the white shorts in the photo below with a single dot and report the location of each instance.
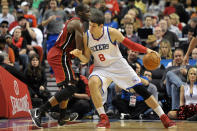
(120, 72)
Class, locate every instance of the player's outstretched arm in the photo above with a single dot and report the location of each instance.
(116, 35)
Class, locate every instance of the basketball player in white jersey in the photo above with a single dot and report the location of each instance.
(102, 43)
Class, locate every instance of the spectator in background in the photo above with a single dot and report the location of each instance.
(4, 28)
(177, 58)
(159, 36)
(5, 48)
(173, 78)
(191, 24)
(174, 18)
(171, 27)
(109, 20)
(165, 50)
(168, 34)
(19, 13)
(19, 45)
(5, 15)
(25, 6)
(27, 32)
(187, 98)
(151, 42)
(36, 80)
(148, 22)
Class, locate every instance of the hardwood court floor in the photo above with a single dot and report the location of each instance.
(90, 125)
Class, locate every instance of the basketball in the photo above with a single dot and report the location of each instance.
(151, 61)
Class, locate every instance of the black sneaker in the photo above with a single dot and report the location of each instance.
(193, 118)
(63, 118)
(67, 116)
(36, 116)
(54, 115)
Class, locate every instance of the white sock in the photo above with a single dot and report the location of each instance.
(159, 111)
(101, 110)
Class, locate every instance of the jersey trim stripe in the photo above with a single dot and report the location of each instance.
(68, 40)
(114, 43)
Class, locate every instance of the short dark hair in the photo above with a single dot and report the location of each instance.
(4, 22)
(97, 16)
(79, 8)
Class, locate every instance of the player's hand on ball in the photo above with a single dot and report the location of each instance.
(152, 51)
(76, 52)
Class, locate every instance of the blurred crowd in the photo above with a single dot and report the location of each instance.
(29, 28)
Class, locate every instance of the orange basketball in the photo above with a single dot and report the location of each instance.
(151, 61)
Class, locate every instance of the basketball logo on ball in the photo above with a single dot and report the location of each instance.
(151, 61)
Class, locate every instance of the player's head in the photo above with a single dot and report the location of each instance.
(96, 20)
(83, 11)
(97, 17)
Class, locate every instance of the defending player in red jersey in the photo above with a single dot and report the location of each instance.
(59, 59)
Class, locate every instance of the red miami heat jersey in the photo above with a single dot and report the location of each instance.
(67, 44)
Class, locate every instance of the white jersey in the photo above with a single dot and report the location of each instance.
(109, 65)
(190, 98)
(104, 51)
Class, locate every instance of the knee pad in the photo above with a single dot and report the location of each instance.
(65, 93)
(142, 91)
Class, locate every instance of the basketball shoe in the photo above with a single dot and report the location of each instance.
(36, 116)
(167, 122)
(193, 118)
(104, 121)
(67, 117)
